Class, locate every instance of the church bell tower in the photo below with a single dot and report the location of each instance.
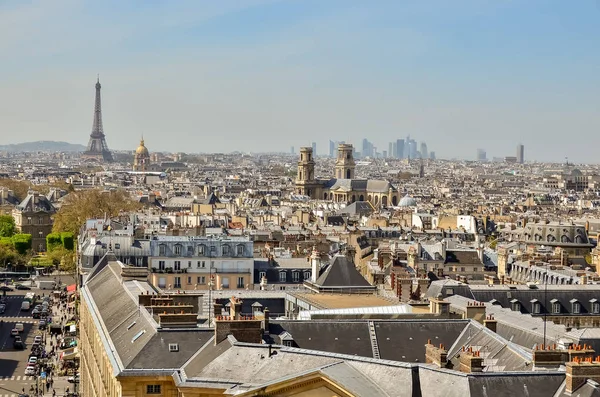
(305, 181)
(345, 165)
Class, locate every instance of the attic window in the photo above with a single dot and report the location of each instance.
(131, 325)
(173, 347)
(138, 335)
(117, 246)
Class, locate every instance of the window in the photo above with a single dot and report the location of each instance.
(462, 269)
(153, 389)
(189, 264)
(41, 234)
(296, 277)
(288, 343)
(282, 277)
(162, 282)
(173, 347)
(556, 308)
(200, 250)
(138, 335)
(261, 275)
(177, 249)
(307, 275)
(240, 282)
(515, 305)
(576, 308)
(475, 269)
(139, 261)
(536, 308)
(240, 250)
(596, 307)
(449, 291)
(161, 265)
(40, 221)
(201, 280)
(177, 265)
(225, 250)
(198, 264)
(29, 220)
(190, 250)
(203, 264)
(213, 250)
(189, 280)
(162, 250)
(225, 282)
(177, 282)
(117, 246)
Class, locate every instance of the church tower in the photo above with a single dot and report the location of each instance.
(305, 181)
(345, 165)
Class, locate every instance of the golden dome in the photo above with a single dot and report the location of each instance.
(142, 150)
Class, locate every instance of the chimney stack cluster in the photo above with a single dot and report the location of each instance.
(436, 355)
(580, 370)
(470, 361)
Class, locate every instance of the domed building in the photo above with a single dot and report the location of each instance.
(407, 201)
(141, 159)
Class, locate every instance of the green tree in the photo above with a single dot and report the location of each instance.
(67, 240)
(53, 241)
(7, 226)
(22, 243)
(63, 259)
(82, 205)
(8, 254)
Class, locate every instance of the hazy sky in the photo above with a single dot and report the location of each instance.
(259, 75)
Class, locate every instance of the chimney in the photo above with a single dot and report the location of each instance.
(548, 357)
(436, 355)
(439, 306)
(217, 309)
(491, 323)
(405, 288)
(423, 284)
(266, 320)
(580, 352)
(579, 371)
(475, 311)
(470, 361)
(315, 266)
(235, 307)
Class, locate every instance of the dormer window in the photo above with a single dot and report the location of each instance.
(201, 248)
(162, 250)
(536, 307)
(575, 306)
(282, 276)
(595, 306)
(190, 250)
(225, 250)
(240, 249)
(177, 249)
(555, 306)
(307, 275)
(515, 305)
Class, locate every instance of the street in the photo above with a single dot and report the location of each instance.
(13, 362)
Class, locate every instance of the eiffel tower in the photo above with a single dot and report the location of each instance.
(97, 148)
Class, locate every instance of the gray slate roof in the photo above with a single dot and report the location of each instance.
(341, 273)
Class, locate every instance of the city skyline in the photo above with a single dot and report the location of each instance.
(266, 75)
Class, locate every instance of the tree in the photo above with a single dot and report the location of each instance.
(19, 188)
(82, 205)
(7, 226)
(53, 241)
(8, 254)
(63, 259)
(22, 243)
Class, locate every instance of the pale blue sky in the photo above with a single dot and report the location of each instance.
(260, 75)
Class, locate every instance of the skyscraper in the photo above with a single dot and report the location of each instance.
(314, 148)
(331, 148)
(97, 148)
(424, 152)
(481, 155)
(391, 150)
(520, 153)
(400, 148)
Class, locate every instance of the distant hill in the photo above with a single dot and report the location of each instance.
(43, 146)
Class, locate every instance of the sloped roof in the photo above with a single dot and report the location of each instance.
(341, 273)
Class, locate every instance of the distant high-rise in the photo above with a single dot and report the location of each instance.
(481, 155)
(400, 148)
(391, 149)
(292, 150)
(520, 153)
(314, 148)
(424, 152)
(331, 148)
(432, 155)
(97, 148)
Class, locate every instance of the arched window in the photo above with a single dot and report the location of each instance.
(177, 249)
(162, 250)
(347, 174)
(550, 238)
(201, 249)
(225, 250)
(394, 200)
(353, 198)
(325, 196)
(240, 249)
(579, 239)
(376, 199)
(384, 201)
(361, 198)
(565, 239)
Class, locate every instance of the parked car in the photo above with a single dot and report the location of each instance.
(42, 324)
(14, 332)
(32, 360)
(21, 286)
(6, 288)
(38, 339)
(35, 314)
(30, 370)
